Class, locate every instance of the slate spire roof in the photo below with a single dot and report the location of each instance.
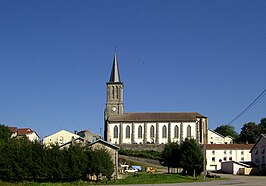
(115, 76)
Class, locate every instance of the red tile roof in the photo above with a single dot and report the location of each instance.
(228, 146)
(24, 131)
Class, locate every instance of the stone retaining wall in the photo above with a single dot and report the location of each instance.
(142, 147)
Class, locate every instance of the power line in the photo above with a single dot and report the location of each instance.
(249, 106)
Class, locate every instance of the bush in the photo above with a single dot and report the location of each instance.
(22, 160)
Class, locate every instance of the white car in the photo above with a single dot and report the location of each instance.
(131, 170)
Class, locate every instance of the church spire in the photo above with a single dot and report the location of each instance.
(115, 76)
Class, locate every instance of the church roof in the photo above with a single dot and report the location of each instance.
(115, 76)
(156, 117)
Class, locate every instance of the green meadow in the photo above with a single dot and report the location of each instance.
(139, 178)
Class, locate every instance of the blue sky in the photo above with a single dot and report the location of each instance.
(174, 56)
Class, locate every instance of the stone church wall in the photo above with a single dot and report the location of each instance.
(142, 147)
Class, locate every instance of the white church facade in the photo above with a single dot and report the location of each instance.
(143, 128)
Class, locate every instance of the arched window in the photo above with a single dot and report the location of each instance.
(113, 92)
(176, 132)
(164, 131)
(117, 92)
(152, 131)
(140, 132)
(188, 131)
(127, 132)
(115, 132)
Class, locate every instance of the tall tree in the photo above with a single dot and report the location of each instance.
(262, 126)
(100, 162)
(77, 161)
(227, 130)
(191, 159)
(171, 156)
(249, 133)
(4, 132)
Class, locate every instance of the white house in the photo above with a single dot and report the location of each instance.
(216, 138)
(232, 167)
(141, 128)
(217, 153)
(258, 153)
(74, 141)
(61, 137)
(24, 133)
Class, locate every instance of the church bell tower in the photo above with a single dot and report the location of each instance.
(114, 98)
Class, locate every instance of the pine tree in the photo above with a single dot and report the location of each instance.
(191, 159)
(171, 156)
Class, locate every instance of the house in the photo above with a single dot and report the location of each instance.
(233, 167)
(24, 133)
(111, 148)
(13, 131)
(216, 138)
(61, 137)
(258, 154)
(73, 141)
(218, 153)
(150, 127)
(89, 136)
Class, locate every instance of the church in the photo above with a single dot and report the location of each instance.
(147, 128)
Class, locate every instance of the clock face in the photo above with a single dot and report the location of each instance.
(113, 109)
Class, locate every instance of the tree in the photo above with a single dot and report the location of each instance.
(23, 160)
(100, 162)
(249, 133)
(262, 126)
(76, 162)
(4, 132)
(171, 156)
(15, 159)
(227, 130)
(191, 159)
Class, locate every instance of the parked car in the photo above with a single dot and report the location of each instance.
(139, 168)
(130, 170)
(151, 169)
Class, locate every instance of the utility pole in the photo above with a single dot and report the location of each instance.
(204, 161)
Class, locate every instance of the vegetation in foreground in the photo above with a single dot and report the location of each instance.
(24, 161)
(187, 155)
(146, 178)
(140, 178)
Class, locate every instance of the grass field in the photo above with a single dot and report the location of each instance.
(154, 178)
(139, 178)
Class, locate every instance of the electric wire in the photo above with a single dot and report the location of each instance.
(249, 106)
